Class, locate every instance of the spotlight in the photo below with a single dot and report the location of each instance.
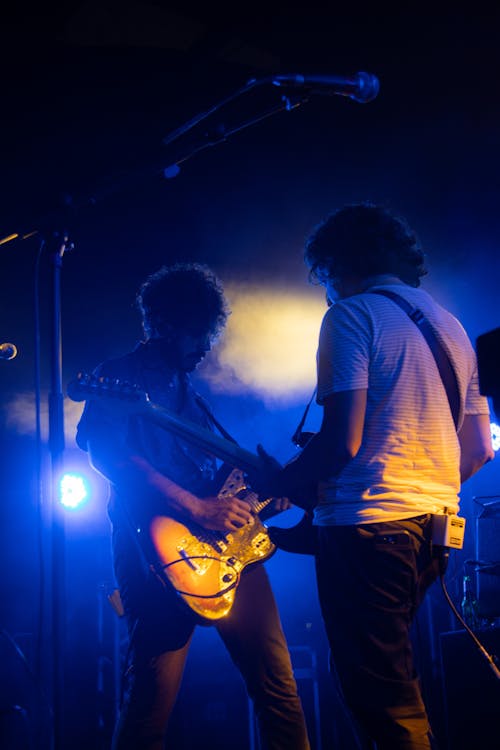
(73, 491)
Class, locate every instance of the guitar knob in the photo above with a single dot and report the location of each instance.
(231, 561)
(227, 577)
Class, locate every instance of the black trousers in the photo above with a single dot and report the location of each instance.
(161, 628)
(371, 580)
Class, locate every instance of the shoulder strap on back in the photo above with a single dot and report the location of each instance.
(446, 371)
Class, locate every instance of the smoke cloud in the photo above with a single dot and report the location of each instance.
(269, 347)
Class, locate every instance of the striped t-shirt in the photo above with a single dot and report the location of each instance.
(409, 459)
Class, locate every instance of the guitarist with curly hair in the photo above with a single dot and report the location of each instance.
(158, 481)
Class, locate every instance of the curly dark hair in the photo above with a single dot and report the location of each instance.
(187, 297)
(364, 239)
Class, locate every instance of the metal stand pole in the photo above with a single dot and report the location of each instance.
(56, 447)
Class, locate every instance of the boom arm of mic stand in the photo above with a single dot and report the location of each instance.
(251, 84)
(286, 104)
(170, 137)
(156, 169)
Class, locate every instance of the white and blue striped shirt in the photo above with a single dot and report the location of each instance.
(408, 462)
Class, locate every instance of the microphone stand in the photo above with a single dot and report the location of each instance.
(58, 245)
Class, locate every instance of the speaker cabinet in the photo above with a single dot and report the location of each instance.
(488, 556)
(471, 691)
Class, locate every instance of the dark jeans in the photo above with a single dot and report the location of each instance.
(161, 630)
(371, 580)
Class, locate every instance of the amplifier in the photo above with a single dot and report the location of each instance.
(471, 690)
(487, 554)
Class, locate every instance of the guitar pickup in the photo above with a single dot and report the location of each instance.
(187, 559)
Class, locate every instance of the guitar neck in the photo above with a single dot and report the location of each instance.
(228, 452)
(134, 401)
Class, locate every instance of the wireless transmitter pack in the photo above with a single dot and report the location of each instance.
(448, 531)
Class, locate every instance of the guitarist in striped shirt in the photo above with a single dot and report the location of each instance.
(394, 447)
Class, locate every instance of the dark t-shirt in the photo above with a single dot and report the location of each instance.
(172, 456)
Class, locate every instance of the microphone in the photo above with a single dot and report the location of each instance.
(362, 87)
(8, 351)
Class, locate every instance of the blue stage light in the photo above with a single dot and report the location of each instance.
(73, 491)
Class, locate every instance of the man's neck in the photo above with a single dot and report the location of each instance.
(380, 279)
(352, 285)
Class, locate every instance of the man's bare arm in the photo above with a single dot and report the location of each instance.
(475, 444)
(328, 451)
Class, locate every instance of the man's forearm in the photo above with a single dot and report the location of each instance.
(318, 460)
(475, 444)
(178, 499)
(133, 476)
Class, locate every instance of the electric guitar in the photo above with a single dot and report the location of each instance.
(203, 566)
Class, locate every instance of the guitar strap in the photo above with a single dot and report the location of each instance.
(299, 437)
(446, 371)
(213, 421)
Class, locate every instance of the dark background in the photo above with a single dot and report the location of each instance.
(89, 90)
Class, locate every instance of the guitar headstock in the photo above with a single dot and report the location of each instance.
(87, 386)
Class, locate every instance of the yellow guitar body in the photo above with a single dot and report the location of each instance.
(203, 566)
